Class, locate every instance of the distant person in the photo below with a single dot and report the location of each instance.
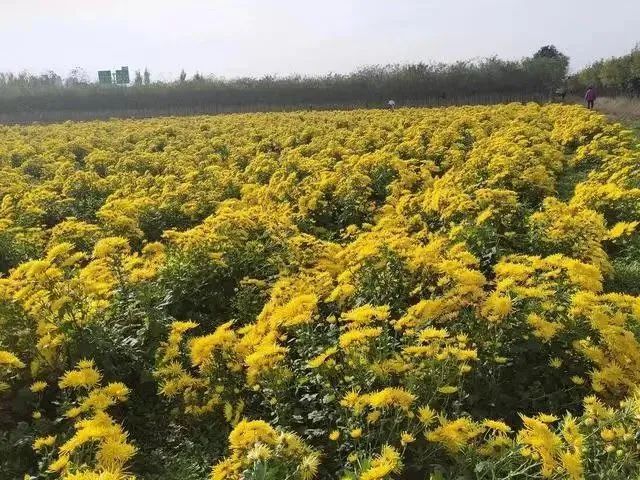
(590, 97)
(392, 104)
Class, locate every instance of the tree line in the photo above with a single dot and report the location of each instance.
(534, 76)
(612, 76)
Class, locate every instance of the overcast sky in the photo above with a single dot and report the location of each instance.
(256, 37)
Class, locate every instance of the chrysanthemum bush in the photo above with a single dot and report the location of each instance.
(420, 293)
(98, 448)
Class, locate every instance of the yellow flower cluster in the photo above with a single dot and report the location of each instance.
(384, 283)
(98, 447)
(8, 363)
(62, 291)
(255, 444)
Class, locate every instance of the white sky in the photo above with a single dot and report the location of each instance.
(252, 37)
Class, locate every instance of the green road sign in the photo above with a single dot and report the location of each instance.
(122, 76)
(104, 77)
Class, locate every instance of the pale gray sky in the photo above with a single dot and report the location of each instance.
(255, 37)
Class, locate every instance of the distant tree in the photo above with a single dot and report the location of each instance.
(183, 76)
(634, 86)
(549, 51)
(614, 73)
(138, 78)
(197, 77)
(591, 75)
(549, 66)
(147, 77)
(634, 71)
(77, 76)
(50, 79)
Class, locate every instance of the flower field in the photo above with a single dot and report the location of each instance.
(413, 294)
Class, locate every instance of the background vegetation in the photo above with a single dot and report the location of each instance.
(50, 97)
(611, 77)
(488, 80)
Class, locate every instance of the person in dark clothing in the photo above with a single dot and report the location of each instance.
(590, 97)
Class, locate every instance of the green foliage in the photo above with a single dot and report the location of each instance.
(383, 280)
(613, 76)
(16, 454)
(18, 245)
(410, 83)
